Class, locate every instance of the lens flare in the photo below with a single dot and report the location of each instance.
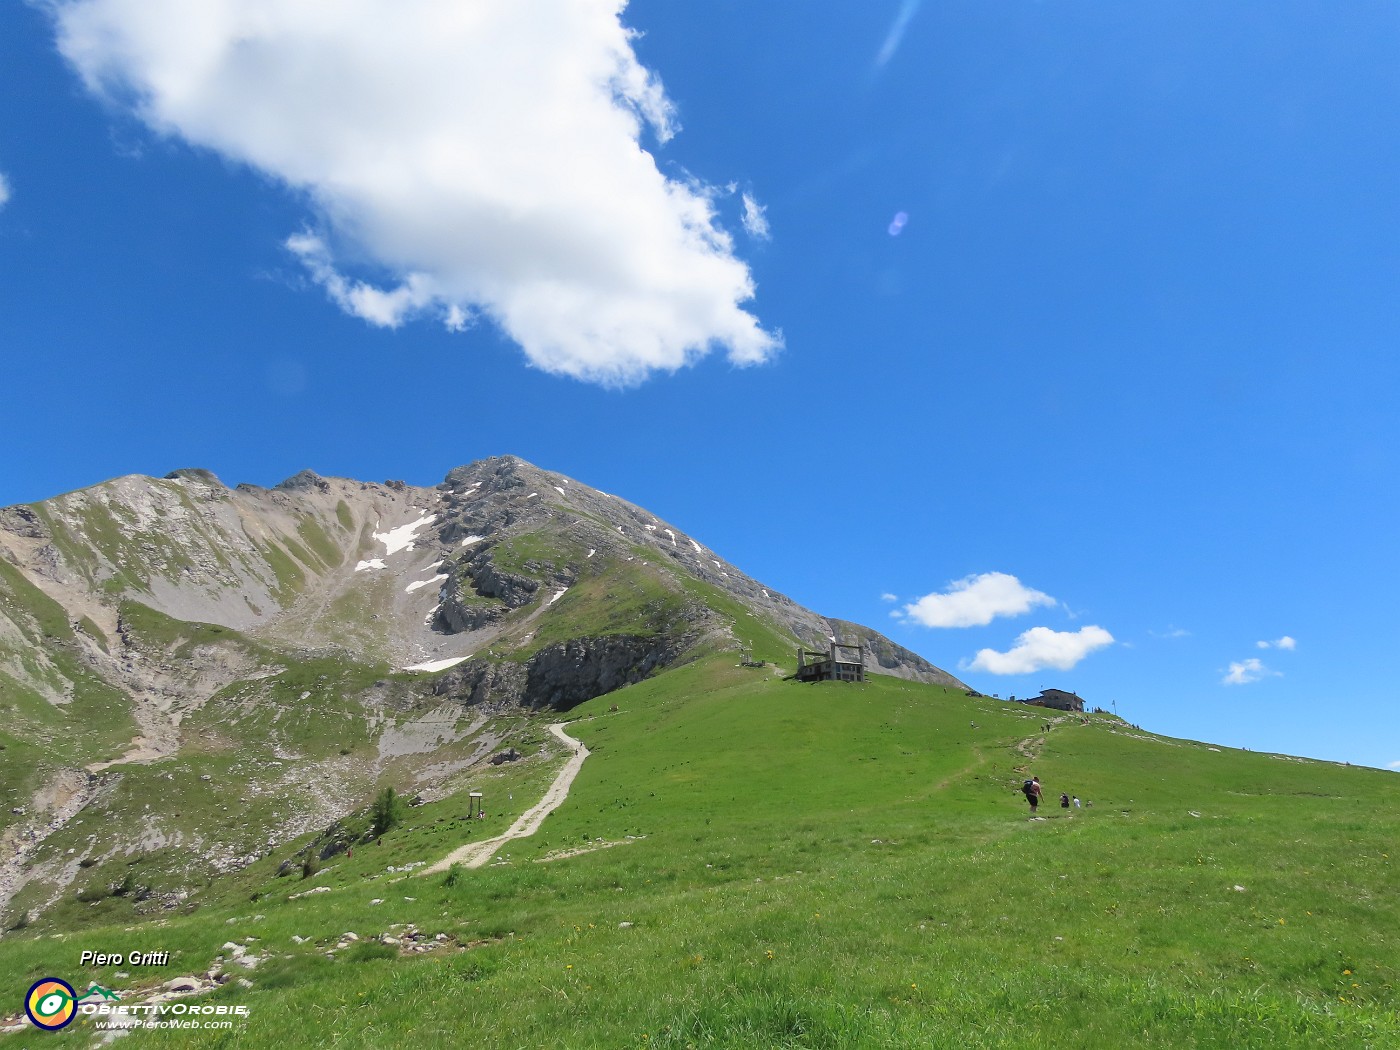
(897, 224)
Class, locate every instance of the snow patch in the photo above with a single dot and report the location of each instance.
(373, 563)
(402, 538)
(472, 539)
(591, 552)
(558, 490)
(532, 495)
(698, 549)
(668, 532)
(619, 528)
(649, 528)
(556, 595)
(437, 665)
(423, 583)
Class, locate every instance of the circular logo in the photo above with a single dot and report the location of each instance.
(51, 1003)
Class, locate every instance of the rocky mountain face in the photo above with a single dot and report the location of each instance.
(163, 635)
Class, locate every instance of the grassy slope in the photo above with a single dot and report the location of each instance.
(842, 866)
(36, 735)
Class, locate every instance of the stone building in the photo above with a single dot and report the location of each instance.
(1057, 699)
(840, 663)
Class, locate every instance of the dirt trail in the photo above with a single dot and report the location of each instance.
(1029, 748)
(475, 854)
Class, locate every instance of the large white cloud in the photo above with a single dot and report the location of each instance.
(475, 157)
(974, 601)
(1039, 648)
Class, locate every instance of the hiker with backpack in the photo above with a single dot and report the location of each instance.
(1031, 789)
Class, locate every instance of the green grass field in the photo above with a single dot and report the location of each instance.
(749, 862)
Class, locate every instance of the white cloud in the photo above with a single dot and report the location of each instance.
(1282, 643)
(1039, 648)
(4, 190)
(1393, 765)
(888, 597)
(1171, 632)
(1243, 672)
(974, 601)
(907, 10)
(462, 157)
(756, 219)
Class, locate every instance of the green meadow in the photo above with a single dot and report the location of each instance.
(749, 862)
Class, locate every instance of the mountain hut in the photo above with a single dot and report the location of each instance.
(840, 663)
(1057, 699)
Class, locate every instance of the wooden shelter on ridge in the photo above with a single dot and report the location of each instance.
(1057, 699)
(840, 663)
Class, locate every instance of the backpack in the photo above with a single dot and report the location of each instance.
(1028, 788)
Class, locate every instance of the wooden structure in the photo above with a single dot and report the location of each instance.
(473, 804)
(840, 663)
(1057, 699)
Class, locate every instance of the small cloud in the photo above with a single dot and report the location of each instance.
(1393, 765)
(907, 10)
(888, 597)
(457, 319)
(1243, 672)
(974, 601)
(897, 224)
(755, 219)
(1039, 648)
(4, 190)
(1171, 632)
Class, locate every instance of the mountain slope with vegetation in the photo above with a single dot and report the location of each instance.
(192, 674)
(744, 860)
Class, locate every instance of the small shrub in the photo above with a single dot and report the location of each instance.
(124, 888)
(454, 876)
(386, 812)
(309, 866)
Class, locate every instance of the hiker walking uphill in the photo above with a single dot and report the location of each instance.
(1031, 789)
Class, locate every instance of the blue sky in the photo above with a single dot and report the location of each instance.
(1083, 313)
